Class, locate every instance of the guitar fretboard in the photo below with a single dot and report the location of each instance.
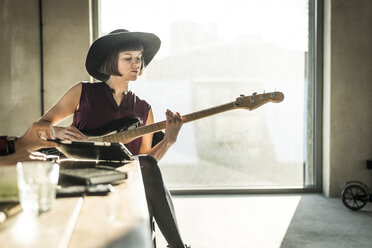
(129, 135)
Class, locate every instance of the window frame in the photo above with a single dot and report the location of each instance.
(315, 75)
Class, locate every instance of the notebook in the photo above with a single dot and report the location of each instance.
(84, 190)
(91, 175)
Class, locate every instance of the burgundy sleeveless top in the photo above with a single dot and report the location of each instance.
(98, 108)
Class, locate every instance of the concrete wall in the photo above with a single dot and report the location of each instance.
(66, 28)
(347, 116)
(66, 43)
(19, 65)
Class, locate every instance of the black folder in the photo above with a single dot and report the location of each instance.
(93, 162)
(100, 151)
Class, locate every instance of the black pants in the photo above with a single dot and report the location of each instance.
(159, 201)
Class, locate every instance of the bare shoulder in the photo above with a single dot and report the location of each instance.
(73, 93)
(76, 88)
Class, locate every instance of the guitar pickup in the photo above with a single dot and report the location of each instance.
(102, 143)
(99, 143)
(68, 142)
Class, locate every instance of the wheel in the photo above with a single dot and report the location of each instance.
(354, 197)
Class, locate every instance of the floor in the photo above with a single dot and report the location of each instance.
(271, 221)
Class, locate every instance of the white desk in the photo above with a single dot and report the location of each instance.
(119, 219)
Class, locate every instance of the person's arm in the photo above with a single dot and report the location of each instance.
(65, 107)
(172, 128)
(34, 139)
(20, 154)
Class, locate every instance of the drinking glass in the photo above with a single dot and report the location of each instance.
(37, 181)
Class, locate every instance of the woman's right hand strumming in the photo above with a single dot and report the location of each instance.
(69, 133)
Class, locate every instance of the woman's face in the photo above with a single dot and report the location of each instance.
(129, 64)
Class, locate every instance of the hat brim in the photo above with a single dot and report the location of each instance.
(100, 47)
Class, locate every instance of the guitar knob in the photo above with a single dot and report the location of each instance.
(241, 95)
(255, 93)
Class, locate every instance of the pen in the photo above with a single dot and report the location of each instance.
(9, 210)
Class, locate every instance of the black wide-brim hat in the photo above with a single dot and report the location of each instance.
(100, 47)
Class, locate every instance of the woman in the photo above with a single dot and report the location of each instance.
(117, 59)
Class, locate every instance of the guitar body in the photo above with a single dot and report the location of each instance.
(120, 125)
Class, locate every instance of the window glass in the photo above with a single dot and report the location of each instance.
(212, 52)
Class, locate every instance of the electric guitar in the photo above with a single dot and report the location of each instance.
(127, 129)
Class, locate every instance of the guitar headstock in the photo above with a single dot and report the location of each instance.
(256, 100)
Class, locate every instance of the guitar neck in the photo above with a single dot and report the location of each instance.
(208, 112)
(155, 127)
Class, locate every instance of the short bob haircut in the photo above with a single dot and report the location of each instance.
(109, 65)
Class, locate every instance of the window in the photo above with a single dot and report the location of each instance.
(211, 53)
